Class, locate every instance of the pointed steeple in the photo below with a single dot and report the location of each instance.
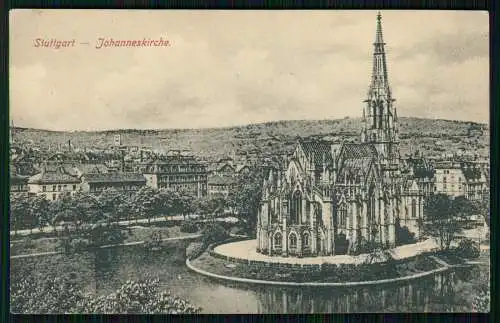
(379, 113)
(380, 82)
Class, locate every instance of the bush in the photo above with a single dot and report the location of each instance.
(404, 236)
(341, 244)
(189, 227)
(468, 249)
(153, 241)
(194, 250)
(73, 244)
(214, 232)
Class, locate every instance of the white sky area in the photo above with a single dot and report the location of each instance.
(228, 68)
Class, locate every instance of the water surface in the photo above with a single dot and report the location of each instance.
(103, 271)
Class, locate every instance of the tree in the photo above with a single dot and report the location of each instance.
(444, 219)
(80, 209)
(209, 206)
(87, 208)
(147, 203)
(56, 294)
(403, 234)
(481, 302)
(184, 203)
(40, 211)
(483, 208)
(246, 195)
(112, 203)
(462, 207)
(138, 297)
(47, 294)
(61, 210)
(19, 209)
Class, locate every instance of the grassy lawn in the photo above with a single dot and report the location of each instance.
(27, 244)
(342, 273)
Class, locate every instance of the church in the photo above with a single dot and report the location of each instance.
(359, 191)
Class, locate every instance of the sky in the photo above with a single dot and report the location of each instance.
(226, 68)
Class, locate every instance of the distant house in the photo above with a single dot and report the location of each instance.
(53, 181)
(18, 184)
(226, 170)
(177, 172)
(422, 173)
(82, 169)
(242, 169)
(220, 185)
(460, 178)
(129, 183)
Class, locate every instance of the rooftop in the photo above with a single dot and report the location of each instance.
(113, 177)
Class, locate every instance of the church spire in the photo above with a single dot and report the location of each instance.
(379, 114)
(380, 83)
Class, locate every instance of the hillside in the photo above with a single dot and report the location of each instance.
(431, 136)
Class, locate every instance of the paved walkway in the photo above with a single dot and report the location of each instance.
(48, 229)
(440, 261)
(246, 250)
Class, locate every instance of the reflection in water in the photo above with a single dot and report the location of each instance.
(104, 270)
(426, 295)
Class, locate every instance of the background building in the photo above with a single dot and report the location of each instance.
(460, 178)
(53, 181)
(125, 182)
(177, 172)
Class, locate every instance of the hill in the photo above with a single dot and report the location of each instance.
(431, 136)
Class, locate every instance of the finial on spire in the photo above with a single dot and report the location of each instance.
(379, 16)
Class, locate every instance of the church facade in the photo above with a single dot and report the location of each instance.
(359, 191)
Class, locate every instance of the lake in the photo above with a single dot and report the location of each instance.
(104, 270)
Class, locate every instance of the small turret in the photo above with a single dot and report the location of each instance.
(334, 165)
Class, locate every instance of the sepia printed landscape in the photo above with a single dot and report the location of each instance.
(249, 161)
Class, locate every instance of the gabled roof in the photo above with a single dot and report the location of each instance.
(49, 175)
(471, 173)
(318, 149)
(221, 167)
(92, 168)
(363, 150)
(356, 159)
(113, 177)
(18, 179)
(221, 180)
(239, 168)
(355, 166)
(421, 167)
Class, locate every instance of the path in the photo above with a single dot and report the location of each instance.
(49, 229)
(194, 236)
(246, 250)
(440, 261)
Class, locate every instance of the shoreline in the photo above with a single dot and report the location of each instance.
(133, 243)
(315, 284)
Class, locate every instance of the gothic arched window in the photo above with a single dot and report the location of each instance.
(380, 116)
(277, 240)
(305, 239)
(413, 208)
(374, 114)
(293, 240)
(296, 207)
(343, 214)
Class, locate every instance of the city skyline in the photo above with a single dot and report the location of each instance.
(224, 77)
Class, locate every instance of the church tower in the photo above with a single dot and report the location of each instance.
(379, 113)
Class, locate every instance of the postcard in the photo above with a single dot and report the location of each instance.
(249, 162)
